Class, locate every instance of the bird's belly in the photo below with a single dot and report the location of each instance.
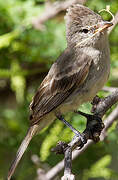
(87, 91)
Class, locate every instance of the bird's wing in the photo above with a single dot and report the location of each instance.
(63, 78)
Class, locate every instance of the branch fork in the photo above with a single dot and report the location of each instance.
(100, 107)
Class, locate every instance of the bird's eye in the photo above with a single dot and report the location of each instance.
(85, 30)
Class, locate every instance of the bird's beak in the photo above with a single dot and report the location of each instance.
(102, 26)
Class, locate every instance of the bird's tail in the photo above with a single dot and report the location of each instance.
(31, 132)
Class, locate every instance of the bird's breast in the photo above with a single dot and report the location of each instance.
(97, 77)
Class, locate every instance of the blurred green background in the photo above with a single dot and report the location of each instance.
(26, 55)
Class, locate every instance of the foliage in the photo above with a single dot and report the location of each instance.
(99, 169)
(26, 54)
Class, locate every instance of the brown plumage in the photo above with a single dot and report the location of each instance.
(59, 84)
(77, 75)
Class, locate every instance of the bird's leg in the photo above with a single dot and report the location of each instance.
(77, 133)
(94, 125)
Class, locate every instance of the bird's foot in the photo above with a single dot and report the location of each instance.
(76, 132)
(83, 140)
(94, 126)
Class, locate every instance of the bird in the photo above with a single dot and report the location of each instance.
(74, 78)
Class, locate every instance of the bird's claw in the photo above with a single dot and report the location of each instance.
(82, 139)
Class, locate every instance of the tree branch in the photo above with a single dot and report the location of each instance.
(101, 108)
(105, 104)
(109, 89)
(51, 10)
(115, 22)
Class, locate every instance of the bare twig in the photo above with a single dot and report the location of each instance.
(35, 159)
(108, 122)
(101, 108)
(109, 89)
(51, 10)
(104, 105)
(60, 166)
(68, 165)
(115, 22)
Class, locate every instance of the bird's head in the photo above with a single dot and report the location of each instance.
(83, 26)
